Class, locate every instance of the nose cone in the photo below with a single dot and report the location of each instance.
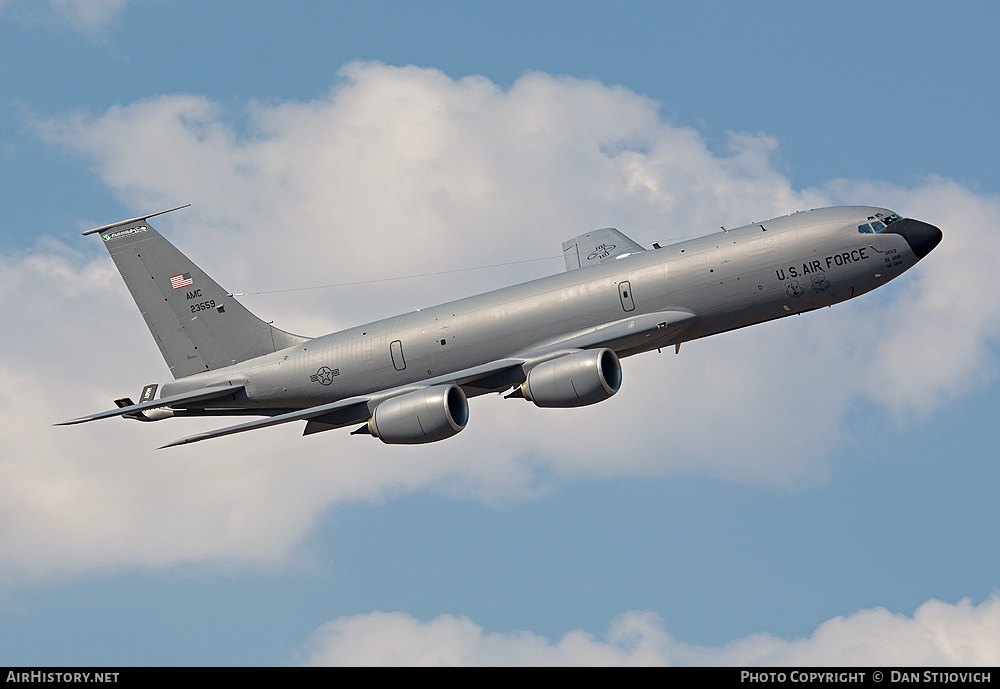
(921, 236)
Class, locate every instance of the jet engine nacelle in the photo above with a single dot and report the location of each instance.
(422, 416)
(574, 380)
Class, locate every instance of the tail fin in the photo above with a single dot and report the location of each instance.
(197, 325)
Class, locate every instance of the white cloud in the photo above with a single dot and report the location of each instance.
(85, 16)
(404, 170)
(938, 634)
(934, 341)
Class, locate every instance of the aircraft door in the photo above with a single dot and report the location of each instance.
(625, 294)
(396, 350)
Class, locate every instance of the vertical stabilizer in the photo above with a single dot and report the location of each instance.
(195, 323)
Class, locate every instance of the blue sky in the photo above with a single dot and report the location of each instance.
(818, 489)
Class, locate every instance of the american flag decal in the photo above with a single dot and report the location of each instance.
(179, 281)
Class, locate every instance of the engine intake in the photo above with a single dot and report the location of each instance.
(574, 380)
(422, 416)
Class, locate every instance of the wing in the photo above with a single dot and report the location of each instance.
(626, 334)
(598, 246)
(342, 413)
(359, 409)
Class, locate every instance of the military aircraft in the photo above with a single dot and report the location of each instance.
(555, 341)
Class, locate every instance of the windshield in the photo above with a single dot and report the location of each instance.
(878, 223)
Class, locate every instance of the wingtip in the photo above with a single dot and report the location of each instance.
(182, 441)
(188, 440)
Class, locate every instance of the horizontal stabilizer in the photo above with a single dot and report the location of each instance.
(137, 219)
(595, 247)
(202, 395)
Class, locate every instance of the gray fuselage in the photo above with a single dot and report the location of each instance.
(728, 280)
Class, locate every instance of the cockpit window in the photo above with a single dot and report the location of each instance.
(878, 223)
